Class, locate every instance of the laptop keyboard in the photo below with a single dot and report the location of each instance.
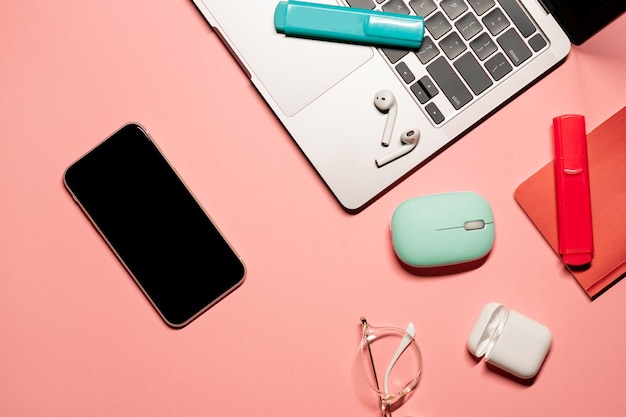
(469, 47)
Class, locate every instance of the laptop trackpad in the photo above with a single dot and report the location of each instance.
(294, 71)
(306, 69)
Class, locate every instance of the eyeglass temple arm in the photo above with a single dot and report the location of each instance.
(406, 340)
(385, 408)
(369, 351)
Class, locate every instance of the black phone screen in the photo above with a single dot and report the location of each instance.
(155, 226)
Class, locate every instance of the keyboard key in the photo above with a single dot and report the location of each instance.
(434, 113)
(537, 42)
(394, 55)
(438, 25)
(428, 50)
(423, 7)
(483, 46)
(453, 8)
(396, 6)
(405, 72)
(496, 22)
(468, 26)
(519, 17)
(362, 4)
(450, 83)
(472, 73)
(514, 47)
(498, 66)
(481, 6)
(428, 86)
(419, 93)
(452, 45)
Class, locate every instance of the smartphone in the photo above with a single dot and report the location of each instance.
(154, 225)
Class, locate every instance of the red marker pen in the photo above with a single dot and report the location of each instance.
(573, 196)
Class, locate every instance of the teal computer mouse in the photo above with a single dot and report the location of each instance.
(442, 229)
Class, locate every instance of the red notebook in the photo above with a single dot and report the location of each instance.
(606, 151)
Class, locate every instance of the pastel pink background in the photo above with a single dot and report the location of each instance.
(77, 338)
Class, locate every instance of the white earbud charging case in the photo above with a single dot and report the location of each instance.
(510, 341)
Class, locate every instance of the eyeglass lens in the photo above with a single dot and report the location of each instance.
(391, 360)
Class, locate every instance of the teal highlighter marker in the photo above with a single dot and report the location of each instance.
(347, 24)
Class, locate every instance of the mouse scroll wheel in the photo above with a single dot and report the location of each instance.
(474, 225)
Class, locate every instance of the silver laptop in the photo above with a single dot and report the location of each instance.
(476, 55)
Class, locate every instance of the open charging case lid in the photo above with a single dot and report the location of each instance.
(510, 341)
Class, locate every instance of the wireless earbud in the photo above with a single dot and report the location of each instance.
(385, 102)
(409, 140)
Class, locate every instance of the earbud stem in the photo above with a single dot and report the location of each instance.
(403, 150)
(389, 123)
